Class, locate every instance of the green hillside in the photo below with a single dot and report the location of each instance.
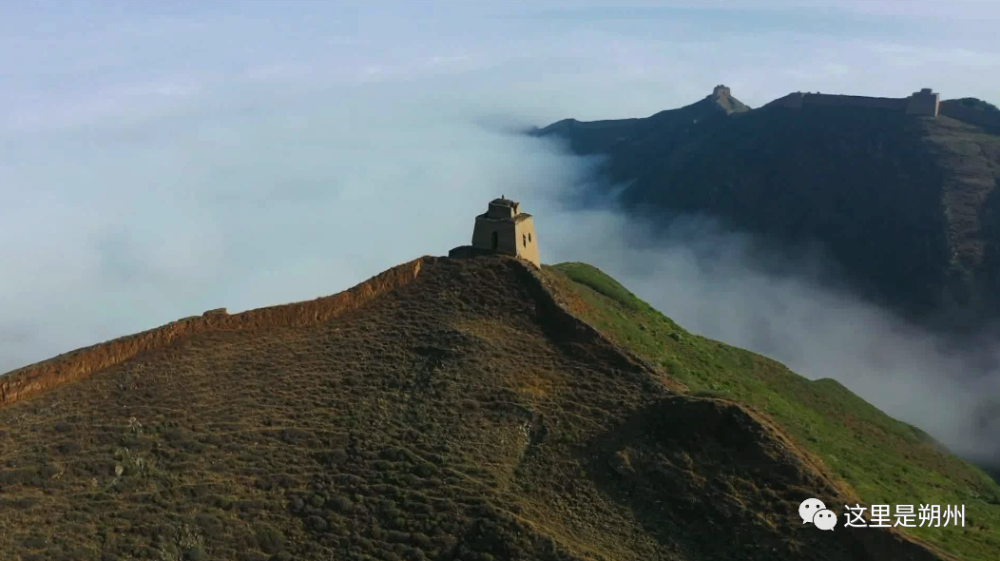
(884, 460)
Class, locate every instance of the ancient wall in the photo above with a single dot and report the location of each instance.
(500, 211)
(524, 234)
(721, 91)
(512, 237)
(25, 382)
(792, 100)
(827, 100)
(969, 115)
(920, 103)
(482, 235)
(468, 252)
(923, 102)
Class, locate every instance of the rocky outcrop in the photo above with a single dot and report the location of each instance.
(25, 382)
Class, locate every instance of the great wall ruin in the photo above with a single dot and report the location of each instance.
(924, 102)
(30, 380)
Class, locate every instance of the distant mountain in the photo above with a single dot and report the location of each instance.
(458, 409)
(906, 203)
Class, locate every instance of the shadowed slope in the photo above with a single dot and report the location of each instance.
(906, 204)
(466, 414)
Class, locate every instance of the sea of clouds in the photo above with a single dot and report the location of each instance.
(161, 159)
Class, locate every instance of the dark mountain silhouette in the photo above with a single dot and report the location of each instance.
(457, 409)
(906, 204)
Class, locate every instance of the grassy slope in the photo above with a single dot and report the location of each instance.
(461, 417)
(886, 461)
(440, 421)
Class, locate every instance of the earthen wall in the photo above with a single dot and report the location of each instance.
(482, 235)
(25, 382)
(827, 100)
(920, 103)
(524, 236)
(970, 115)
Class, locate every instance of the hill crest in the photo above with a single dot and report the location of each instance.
(904, 202)
(27, 381)
(457, 394)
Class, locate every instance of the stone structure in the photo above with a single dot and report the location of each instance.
(503, 229)
(720, 91)
(723, 97)
(924, 102)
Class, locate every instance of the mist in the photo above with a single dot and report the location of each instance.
(156, 162)
(793, 306)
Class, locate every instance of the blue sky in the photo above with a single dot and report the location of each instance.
(158, 159)
(70, 59)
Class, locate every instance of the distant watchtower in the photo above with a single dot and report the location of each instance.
(924, 102)
(720, 91)
(504, 229)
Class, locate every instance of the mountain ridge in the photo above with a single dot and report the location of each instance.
(905, 203)
(466, 411)
(24, 382)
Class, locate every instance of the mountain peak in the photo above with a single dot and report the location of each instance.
(723, 96)
(837, 159)
(721, 91)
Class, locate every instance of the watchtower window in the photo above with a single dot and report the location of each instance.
(496, 240)
(524, 240)
(529, 236)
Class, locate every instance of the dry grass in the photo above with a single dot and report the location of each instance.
(464, 415)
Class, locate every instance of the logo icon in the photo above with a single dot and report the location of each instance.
(809, 508)
(814, 511)
(825, 520)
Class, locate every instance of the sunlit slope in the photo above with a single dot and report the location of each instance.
(458, 412)
(884, 461)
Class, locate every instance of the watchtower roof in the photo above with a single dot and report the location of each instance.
(503, 209)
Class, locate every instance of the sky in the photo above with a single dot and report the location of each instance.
(159, 159)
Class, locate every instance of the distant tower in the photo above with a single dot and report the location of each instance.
(720, 91)
(924, 102)
(504, 229)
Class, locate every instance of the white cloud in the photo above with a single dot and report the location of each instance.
(156, 164)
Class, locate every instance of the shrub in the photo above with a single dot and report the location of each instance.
(342, 504)
(196, 553)
(269, 538)
(316, 523)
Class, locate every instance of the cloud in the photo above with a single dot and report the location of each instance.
(172, 157)
(788, 305)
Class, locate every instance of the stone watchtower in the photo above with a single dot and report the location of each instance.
(720, 91)
(924, 102)
(503, 229)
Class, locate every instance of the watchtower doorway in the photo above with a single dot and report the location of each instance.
(496, 240)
